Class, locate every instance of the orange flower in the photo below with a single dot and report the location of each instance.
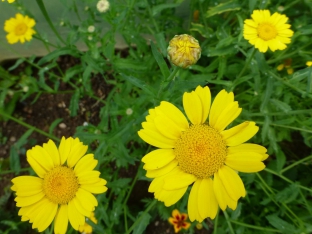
(179, 221)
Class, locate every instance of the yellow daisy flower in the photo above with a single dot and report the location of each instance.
(9, 1)
(309, 63)
(19, 28)
(86, 228)
(267, 31)
(200, 153)
(63, 190)
(178, 220)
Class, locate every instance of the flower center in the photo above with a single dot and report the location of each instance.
(21, 29)
(267, 31)
(60, 184)
(200, 151)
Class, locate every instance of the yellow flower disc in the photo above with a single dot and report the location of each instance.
(267, 31)
(200, 151)
(60, 185)
(21, 29)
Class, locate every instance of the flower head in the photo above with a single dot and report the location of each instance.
(267, 31)
(309, 63)
(102, 6)
(63, 190)
(9, 1)
(86, 228)
(287, 65)
(91, 29)
(203, 153)
(183, 50)
(179, 221)
(19, 28)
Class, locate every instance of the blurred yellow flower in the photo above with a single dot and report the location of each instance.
(267, 31)
(179, 221)
(19, 28)
(203, 153)
(309, 63)
(287, 65)
(9, 1)
(86, 228)
(183, 50)
(64, 188)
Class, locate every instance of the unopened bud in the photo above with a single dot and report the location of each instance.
(183, 50)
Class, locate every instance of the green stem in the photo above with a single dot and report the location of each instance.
(286, 179)
(296, 163)
(255, 227)
(286, 126)
(215, 226)
(12, 171)
(247, 63)
(139, 219)
(151, 16)
(228, 222)
(165, 83)
(294, 112)
(46, 16)
(28, 126)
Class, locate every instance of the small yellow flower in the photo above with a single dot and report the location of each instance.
(19, 28)
(200, 153)
(183, 50)
(267, 31)
(64, 188)
(86, 228)
(309, 63)
(9, 1)
(179, 221)
(287, 65)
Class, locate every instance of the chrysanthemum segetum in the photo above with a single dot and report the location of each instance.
(63, 190)
(19, 28)
(267, 31)
(203, 153)
(178, 220)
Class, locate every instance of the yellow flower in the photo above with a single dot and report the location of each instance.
(309, 63)
(267, 31)
(63, 190)
(287, 65)
(200, 153)
(183, 50)
(179, 221)
(86, 228)
(9, 1)
(19, 28)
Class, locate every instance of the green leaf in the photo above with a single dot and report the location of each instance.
(281, 105)
(202, 30)
(288, 194)
(74, 103)
(122, 63)
(54, 124)
(161, 42)
(145, 220)
(213, 51)
(160, 61)
(223, 7)
(57, 53)
(281, 225)
(140, 84)
(157, 9)
(72, 71)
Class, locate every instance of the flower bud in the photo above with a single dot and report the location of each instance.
(183, 50)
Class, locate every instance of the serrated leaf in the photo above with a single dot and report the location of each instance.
(281, 225)
(223, 7)
(288, 194)
(140, 84)
(120, 183)
(141, 226)
(281, 105)
(157, 9)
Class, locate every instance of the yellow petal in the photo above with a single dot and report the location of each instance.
(247, 147)
(207, 202)
(245, 161)
(64, 148)
(178, 181)
(45, 216)
(174, 114)
(87, 198)
(221, 101)
(80, 208)
(30, 212)
(29, 200)
(96, 188)
(232, 183)
(61, 220)
(158, 182)
(170, 197)
(156, 139)
(193, 107)
(52, 150)
(167, 127)
(89, 177)
(26, 185)
(76, 152)
(240, 133)
(75, 217)
(222, 196)
(192, 205)
(229, 113)
(41, 157)
(162, 171)
(86, 163)
(158, 159)
(205, 98)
